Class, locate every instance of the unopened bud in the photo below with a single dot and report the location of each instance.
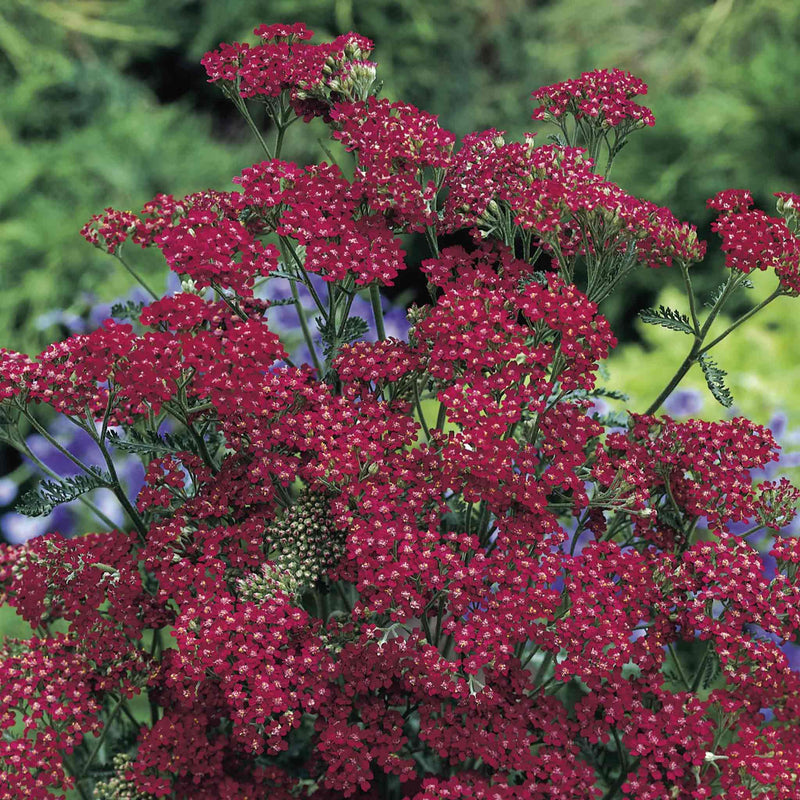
(188, 286)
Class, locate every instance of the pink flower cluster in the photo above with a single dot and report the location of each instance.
(395, 142)
(432, 571)
(552, 192)
(604, 95)
(753, 240)
(312, 74)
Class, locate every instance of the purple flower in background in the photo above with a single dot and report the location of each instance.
(8, 491)
(74, 323)
(67, 519)
(684, 403)
(18, 529)
(598, 408)
(283, 318)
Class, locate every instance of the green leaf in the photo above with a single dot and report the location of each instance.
(332, 340)
(744, 283)
(614, 419)
(667, 318)
(285, 302)
(714, 378)
(712, 669)
(536, 276)
(41, 501)
(130, 310)
(152, 444)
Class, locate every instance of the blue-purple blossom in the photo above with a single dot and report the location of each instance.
(684, 403)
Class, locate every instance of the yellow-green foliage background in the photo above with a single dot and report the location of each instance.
(762, 359)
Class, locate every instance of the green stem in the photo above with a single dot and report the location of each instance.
(438, 633)
(99, 743)
(418, 406)
(698, 677)
(71, 770)
(427, 628)
(225, 299)
(88, 503)
(690, 359)
(46, 435)
(303, 276)
(279, 140)
(345, 599)
(679, 667)
(304, 327)
(697, 348)
(132, 513)
(441, 416)
(241, 106)
(615, 787)
(483, 521)
(136, 275)
(125, 710)
(433, 241)
(377, 311)
(687, 282)
(777, 293)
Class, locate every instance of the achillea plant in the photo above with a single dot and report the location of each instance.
(420, 568)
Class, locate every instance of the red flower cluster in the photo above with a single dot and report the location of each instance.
(752, 239)
(603, 95)
(425, 570)
(552, 192)
(314, 76)
(395, 142)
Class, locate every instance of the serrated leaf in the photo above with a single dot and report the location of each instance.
(332, 340)
(154, 444)
(714, 376)
(615, 419)
(130, 310)
(41, 501)
(667, 318)
(715, 296)
(713, 299)
(712, 669)
(613, 394)
(671, 676)
(536, 276)
(601, 391)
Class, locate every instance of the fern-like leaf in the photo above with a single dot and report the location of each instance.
(41, 501)
(129, 310)
(152, 444)
(714, 376)
(353, 329)
(712, 669)
(667, 318)
(713, 299)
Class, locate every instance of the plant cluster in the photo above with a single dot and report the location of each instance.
(414, 568)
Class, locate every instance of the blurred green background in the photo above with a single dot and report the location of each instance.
(104, 103)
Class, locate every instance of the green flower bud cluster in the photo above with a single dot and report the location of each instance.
(117, 787)
(301, 545)
(259, 587)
